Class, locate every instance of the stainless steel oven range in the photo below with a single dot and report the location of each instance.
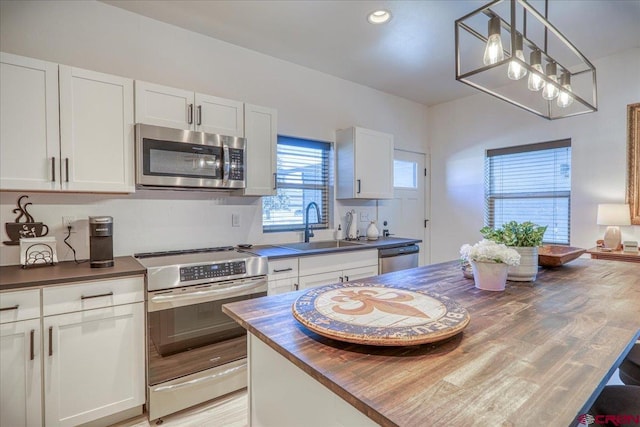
(195, 352)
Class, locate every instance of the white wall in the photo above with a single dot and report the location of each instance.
(100, 37)
(481, 122)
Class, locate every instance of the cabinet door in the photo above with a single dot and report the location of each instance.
(93, 363)
(219, 115)
(29, 125)
(320, 279)
(260, 126)
(360, 273)
(373, 164)
(282, 286)
(20, 374)
(164, 106)
(96, 131)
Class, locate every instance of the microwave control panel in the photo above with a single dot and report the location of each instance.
(211, 271)
(236, 171)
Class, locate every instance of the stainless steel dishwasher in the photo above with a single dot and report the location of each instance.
(398, 258)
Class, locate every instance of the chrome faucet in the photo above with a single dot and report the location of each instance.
(308, 232)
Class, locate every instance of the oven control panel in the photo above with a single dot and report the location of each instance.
(211, 271)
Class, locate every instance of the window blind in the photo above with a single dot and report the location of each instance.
(302, 178)
(530, 183)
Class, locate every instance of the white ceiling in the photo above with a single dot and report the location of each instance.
(412, 56)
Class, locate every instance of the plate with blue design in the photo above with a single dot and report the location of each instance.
(379, 314)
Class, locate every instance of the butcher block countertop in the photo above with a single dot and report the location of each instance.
(15, 277)
(536, 354)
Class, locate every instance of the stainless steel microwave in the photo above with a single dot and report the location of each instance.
(183, 159)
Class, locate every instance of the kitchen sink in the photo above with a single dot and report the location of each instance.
(325, 244)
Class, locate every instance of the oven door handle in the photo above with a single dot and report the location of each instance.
(203, 294)
(197, 381)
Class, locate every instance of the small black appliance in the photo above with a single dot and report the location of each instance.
(101, 241)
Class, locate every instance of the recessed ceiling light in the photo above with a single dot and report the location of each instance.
(379, 16)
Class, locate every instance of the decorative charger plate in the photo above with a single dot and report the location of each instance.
(378, 314)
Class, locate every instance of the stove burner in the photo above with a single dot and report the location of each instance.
(182, 252)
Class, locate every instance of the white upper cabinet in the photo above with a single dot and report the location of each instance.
(29, 132)
(96, 131)
(261, 132)
(182, 109)
(364, 164)
(64, 128)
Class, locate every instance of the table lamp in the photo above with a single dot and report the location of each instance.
(613, 215)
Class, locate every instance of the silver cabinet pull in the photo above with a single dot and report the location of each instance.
(197, 381)
(296, 286)
(275, 181)
(15, 307)
(346, 278)
(66, 168)
(53, 169)
(282, 270)
(50, 340)
(199, 115)
(31, 350)
(358, 181)
(341, 279)
(108, 294)
(190, 114)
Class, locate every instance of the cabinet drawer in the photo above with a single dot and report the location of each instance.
(283, 268)
(94, 294)
(19, 305)
(337, 262)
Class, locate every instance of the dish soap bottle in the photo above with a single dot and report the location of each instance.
(372, 231)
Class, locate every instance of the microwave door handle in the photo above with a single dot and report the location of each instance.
(203, 294)
(227, 163)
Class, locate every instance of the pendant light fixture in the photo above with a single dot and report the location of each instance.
(493, 44)
(516, 70)
(565, 98)
(550, 91)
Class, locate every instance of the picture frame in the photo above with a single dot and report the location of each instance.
(633, 161)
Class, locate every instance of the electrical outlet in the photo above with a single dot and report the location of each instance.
(235, 220)
(67, 221)
(364, 216)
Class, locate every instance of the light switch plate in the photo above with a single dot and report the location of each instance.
(235, 220)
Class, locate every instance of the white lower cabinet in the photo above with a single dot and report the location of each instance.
(94, 364)
(84, 354)
(283, 276)
(335, 268)
(20, 374)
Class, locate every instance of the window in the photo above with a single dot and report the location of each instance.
(530, 183)
(302, 177)
(405, 174)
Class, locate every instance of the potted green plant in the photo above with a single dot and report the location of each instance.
(525, 238)
(490, 262)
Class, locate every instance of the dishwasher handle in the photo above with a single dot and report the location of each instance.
(398, 251)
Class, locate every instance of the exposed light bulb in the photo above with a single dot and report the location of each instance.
(493, 53)
(550, 91)
(564, 98)
(517, 71)
(535, 82)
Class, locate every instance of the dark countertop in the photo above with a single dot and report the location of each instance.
(276, 252)
(536, 354)
(15, 277)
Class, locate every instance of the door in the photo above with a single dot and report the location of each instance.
(96, 131)
(406, 212)
(164, 106)
(219, 115)
(261, 132)
(93, 363)
(29, 125)
(374, 169)
(20, 374)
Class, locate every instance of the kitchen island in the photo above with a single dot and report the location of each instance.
(536, 354)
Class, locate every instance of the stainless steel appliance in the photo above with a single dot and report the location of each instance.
(183, 159)
(101, 241)
(195, 352)
(398, 258)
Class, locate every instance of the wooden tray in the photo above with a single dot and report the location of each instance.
(556, 255)
(377, 314)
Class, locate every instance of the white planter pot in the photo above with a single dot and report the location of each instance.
(489, 276)
(528, 268)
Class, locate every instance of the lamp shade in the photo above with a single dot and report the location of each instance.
(613, 214)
